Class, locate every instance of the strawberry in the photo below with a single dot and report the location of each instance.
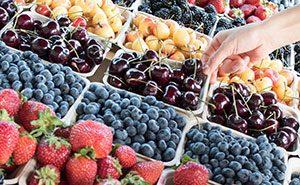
(126, 156)
(45, 175)
(248, 9)
(9, 166)
(235, 13)
(53, 151)
(63, 132)
(25, 149)
(262, 12)
(192, 1)
(252, 19)
(220, 5)
(92, 134)
(191, 173)
(236, 3)
(109, 167)
(81, 170)
(9, 136)
(202, 3)
(33, 115)
(253, 2)
(10, 101)
(150, 171)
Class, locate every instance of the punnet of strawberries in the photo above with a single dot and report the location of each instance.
(82, 154)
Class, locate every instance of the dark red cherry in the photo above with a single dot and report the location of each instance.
(95, 54)
(135, 78)
(255, 101)
(190, 66)
(79, 65)
(81, 35)
(24, 47)
(217, 119)
(24, 21)
(10, 38)
(116, 82)
(127, 56)
(256, 120)
(172, 95)
(190, 100)
(141, 66)
(118, 66)
(282, 139)
(273, 111)
(59, 54)
(63, 21)
(290, 122)
(50, 28)
(4, 17)
(160, 74)
(178, 76)
(37, 24)
(269, 98)
(271, 126)
(93, 41)
(9, 6)
(191, 84)
(292, 134)
(40, 46)
(242, 109)
(150, 89)
(220, 103)
(74, 47)
(237, 123)
(151, 56)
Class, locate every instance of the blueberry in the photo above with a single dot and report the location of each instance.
(219, 179)
(181, 121)
(58, 79)
(91, 96)
(214, 163)
(169, 154)
(77, 86)
(124, 103)
(257, 158)
(157, 156)
(114, 96)
(69, 99)
(131, 130)
(116, 108)
(147, 150)
(149, 135)
(121, 134)
(80, 108)
(198, 148)
(109, 118)
(63, 109)
(236, 149)
(223, 146)
(17, 85)
(177, 132)
(162, 123)
(12, 76)
(13, 69)
(255, 178)
(128, 121)
(70, 78)
(116, 124)
(139, 138)
(159, 104)
(278, 174)
(54, 68)
(213, 151)
(144, 106)
(150, 100)
(91, 108)
(175, 138)
(48, 98)
(40, 79)
(144, 118)
(136, 114)
(152, 113)
(27, 92)
(135, 101)
(164, 134)
(4, 66)
(266, 163)
(89, 117)
(119, 141)
(58, 99)
(26, 76)
(108, 103)
(254, 148)
(224, 163)
(204, 159)
(152, 125)
(236, 166)
(220, 156)
(128, 141)
(142, 128)
(152, 144)
(162, 145)
(198, 137)
(38, 94)
(136, 146)
(57, 91)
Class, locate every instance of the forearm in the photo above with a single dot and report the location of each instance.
(283, 28)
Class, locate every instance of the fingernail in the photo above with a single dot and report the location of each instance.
(206, 69)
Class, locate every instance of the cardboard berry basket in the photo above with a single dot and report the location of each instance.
(73, 119)
(167, 175)
(18, 173)
(44, 19)
(287, 111)
(173, 64)
(125, 12)
(128, 27)
(293, 167)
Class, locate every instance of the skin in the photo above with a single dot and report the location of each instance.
(231, 50)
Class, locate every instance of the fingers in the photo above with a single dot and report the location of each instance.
(214, 45)
(213, 78)
(233, 64)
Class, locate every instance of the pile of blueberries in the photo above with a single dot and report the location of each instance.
(295, 179)
(149, 126)
(235, 160)
(54, 85)
(180, 11)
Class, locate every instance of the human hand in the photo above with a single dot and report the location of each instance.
(231, 50)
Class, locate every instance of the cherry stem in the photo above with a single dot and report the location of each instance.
(234, 101)
(116, 78)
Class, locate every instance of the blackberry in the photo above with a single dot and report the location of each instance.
(201, 16)
(156, 6)
(168, 3)
(176, 12)
(239, 22)
(219, 29)
(223, 22)
(145, 9)
(210, 9)
(163, 13)
(187, 19)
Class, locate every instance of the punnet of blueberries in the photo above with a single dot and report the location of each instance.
(234, 106)
(236, 160)
(295, 179)
(147, 75)
(180, 11)
(149, 126)
(54, 85)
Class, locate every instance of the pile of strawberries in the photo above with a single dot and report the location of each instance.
(252, 10)
(82, 154)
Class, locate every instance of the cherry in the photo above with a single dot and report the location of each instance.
(190, 100)
(65, 32)
(241, 90)
(25, 22)
(242, 109)
(172, 95)
(59, 54)
(95, 54)
(92, 41)
(160, 74)
(191, 84)
(43, 10)
(237, 123)
(118, 66)
(79, 22)
(10, 38)
(282, 139)
(217, 119)
(151, 89)
(269, 98)
(127, 56)
(178, 76)
(151, 56)
(273, 111)
(4, 17)
(174, 83)
(54, 38)
(9, 6)
(290, 122)
(50, 28)
(255, 121)
(271, 125)
(255, 101)
(79, 65)
(37, 24)
(141, 66)
(135, 78)
(24, 47)
(63, 21)
(74, 47)
(40, 46)
(81, 35)
(190, 66)
(116, 82)
(291, 133)
(220, 102)
(25, 37)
